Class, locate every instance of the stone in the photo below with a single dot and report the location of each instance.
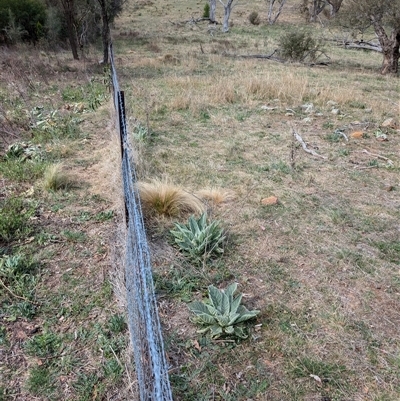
(271, 200)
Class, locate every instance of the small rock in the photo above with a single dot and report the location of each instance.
(389, 123)
(271, 200)
(357, 134)
(289, 114)
(308, 107)
(335, 111)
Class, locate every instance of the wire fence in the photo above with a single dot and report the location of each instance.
(143, 319)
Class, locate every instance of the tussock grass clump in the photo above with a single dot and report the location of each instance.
(55, 178)
(215, 195)
(164, 198)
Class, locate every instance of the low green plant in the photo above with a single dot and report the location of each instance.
(19, 276)
(199, 240)
(24, 151)
(15, 214)
(43, 345)
(223, 314)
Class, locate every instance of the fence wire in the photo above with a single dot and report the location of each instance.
(143, 319)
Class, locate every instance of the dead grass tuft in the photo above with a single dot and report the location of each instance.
(163, 198)
(55, 178)
(215, 195)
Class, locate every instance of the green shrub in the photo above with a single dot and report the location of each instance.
(222, 314)
(199, 240)
(28, 16)
(299, 46)
(206, 11)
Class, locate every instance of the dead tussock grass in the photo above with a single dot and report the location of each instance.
(160, 197)
(216, 195)
(55, 178)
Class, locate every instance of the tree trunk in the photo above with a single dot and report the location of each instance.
(105, 32)
(69, 11)
(390, 47)
(227, 14)
(391, 54)
(271, 16)
(334, 7)
(213, 6)
(316, 9)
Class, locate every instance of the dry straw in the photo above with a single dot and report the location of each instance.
(163, 198)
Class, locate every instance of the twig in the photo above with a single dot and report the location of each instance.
(365, 167)
(304, 146)
(15, 295)
(378, 156)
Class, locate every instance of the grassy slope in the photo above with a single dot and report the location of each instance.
(322, 265)
(63, 334)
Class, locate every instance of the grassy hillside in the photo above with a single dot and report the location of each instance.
(322, 263)
(313, 241)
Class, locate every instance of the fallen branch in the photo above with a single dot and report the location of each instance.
(194, 21)
(378, 156)
(304, 146)
(262, 56)
(363, 46)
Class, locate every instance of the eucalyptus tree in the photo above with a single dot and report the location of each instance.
(227, 13)
(87, 20)
(384, 17)
(275, 8)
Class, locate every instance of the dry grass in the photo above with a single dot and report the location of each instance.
(216, 195)
(163, 198)
(55, 178)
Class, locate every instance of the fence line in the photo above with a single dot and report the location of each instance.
(143, 320)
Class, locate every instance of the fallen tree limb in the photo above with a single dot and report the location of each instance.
(263, 56)
(304, 145)
(194, 21)
(363, 46)
(378, 156)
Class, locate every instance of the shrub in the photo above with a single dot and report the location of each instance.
(222, 314)
(206, 11)
(298, 46)
(254, 18)
(29, 16)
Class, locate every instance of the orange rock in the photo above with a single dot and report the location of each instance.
(357, 134)
(271, 200)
